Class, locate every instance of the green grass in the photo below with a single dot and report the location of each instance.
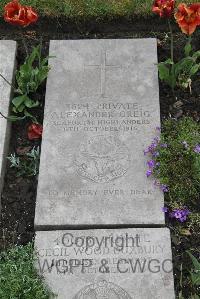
(18, 276)
(91, 8)
(179, 165)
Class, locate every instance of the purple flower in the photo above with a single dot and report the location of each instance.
(156, 139)
(149, 172)
(151, 163)
(150, 148)
(153, 145)
(164, 145)
(146, 151)
(180, 214)
(186, 212)
(185, 144)
(165, 209)
(156, 154)
(197, 149)
(158, 129)
(164, 188)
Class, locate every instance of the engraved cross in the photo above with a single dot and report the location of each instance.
(103, 66)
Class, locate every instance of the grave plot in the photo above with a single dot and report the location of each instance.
(102, 110)
(7, 66)
(103, 159)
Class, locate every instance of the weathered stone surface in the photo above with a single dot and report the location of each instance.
(7, 66)
(102, 108)
(131, 263)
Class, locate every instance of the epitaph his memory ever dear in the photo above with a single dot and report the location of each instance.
(101, 111)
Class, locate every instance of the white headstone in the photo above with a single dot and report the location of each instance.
(101, 111)
(133, 263)
(7, 67)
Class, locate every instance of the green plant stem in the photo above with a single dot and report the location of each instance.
(172, 51)
(181, 281)
(7, 81)
(12, 118)
(3, 115)
(172, 41)
(189, 40)
(24, 42)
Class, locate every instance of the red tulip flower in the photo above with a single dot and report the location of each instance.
(164, 8)
(17, 14)
(188, 17)
(35, 131)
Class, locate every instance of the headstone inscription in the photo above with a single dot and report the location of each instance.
(101, 111)
(7, 67)
(131, 263)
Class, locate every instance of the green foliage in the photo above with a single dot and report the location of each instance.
(195, 275)
(179, 169)
(194, 224)
(29, 77)
(179, 163)
(180, 74)
(20, 103)
(28, 165)
(197, 168)
(18, 276)
(166, 72)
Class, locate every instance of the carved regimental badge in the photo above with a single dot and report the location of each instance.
(102, 290)
(102, 159)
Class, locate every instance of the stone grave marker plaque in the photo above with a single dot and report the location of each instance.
(7, 66)
(101, 112)
(107, 264)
